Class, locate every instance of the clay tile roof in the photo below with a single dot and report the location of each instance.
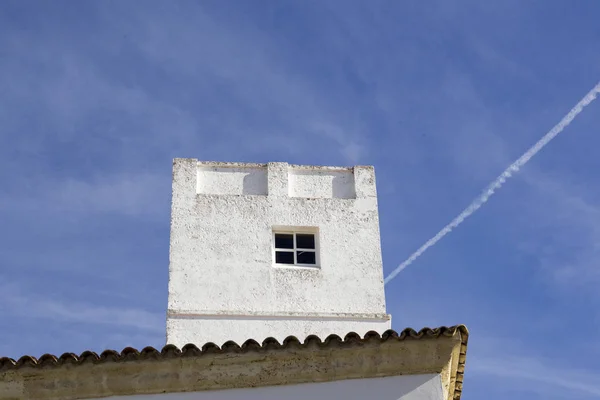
(9, 366)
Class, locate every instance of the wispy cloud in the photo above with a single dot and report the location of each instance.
(539, 375)
(569, 223)
(15, 301)
(135, 195)
(280, 102)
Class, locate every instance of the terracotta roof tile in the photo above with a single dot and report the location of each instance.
(269, 344)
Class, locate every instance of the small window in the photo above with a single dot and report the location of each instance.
(295, 248)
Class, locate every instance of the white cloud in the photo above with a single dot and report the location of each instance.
(538, 375)
(564, 227)
(136, 195)
(16, 302)
(278, 103)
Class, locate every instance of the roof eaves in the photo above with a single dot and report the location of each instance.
(250, 346)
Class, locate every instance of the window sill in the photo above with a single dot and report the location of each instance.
(297, 266)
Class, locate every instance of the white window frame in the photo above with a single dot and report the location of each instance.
(295, 231)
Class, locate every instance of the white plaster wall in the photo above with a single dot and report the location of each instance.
(206, 329)
(221, 259)
(310, 183)
(406, 387)
(232, 180)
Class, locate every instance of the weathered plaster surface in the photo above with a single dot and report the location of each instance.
(232, 180)
(187, 329)
(332, 184)
(440, 352)
(411, 387)
(221, 255)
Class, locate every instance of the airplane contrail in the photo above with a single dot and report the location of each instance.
(499, 181)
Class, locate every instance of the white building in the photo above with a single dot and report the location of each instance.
(273, 250)
(288, 256)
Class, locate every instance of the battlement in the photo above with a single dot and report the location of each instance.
(283, 179)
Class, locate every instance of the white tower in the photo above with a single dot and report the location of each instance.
(273, 250)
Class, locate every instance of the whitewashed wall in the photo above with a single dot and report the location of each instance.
(223, 284)
(408, 387)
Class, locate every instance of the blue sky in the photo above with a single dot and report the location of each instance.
(96, 98)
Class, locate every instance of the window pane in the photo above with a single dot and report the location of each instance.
(284, 257)
(306, 257)
(284, 241)
(305, 241)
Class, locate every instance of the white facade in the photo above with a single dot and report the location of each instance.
(403, 387)
(224, 283)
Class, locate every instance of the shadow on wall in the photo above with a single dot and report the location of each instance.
(342, 186)
(319, 184)
(255, 183)
(407, 387)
